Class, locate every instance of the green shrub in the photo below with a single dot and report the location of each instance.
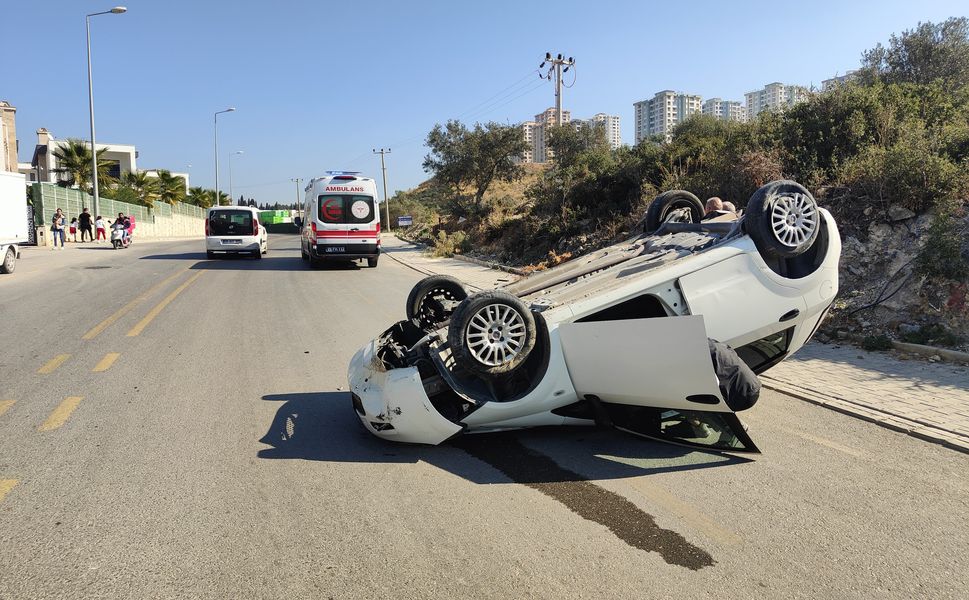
(876, 342)
(448, 245)
(941, 256)
(932, 335)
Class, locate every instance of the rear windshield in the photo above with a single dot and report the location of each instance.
(230, 222)
(346, 208)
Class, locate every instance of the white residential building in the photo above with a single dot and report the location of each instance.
(544, 121)
(829, 84)
(122, 158)
(528, 132)
(725, 110)
(661, 113)
(774, 96)
(611, 125)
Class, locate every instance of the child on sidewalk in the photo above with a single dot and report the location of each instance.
(101, 226)
(74, 229)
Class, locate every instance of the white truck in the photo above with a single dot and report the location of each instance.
(13, 219)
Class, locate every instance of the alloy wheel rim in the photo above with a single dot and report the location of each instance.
(793, 219)
(496, 335)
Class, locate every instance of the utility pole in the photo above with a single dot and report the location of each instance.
(383, 167)
(555, 66)
(297, 180)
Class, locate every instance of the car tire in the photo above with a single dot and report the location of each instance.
(257, 254)
(663, 206)
(491, 333)
(9, 263)
(782, 218)
(209, 254)
(423, 302)
(372, 262)
(302, 253)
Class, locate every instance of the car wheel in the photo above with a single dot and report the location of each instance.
(9, 261)
(302, 253)
(257, 254)
(491, 333)
(674, 206)
(372, 262)
(782, 218)
(432, 301)
(209, 254)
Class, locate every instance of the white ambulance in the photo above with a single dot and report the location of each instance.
(341, 220)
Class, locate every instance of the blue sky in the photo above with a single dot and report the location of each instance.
(317, 85)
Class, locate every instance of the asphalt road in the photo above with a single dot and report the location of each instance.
(177, 427)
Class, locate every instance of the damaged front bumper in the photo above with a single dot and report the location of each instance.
(392, 403)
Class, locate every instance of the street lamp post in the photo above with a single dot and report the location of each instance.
(231, 197)
(216, 118)
(117, 10)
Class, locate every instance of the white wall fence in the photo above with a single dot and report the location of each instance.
(161, 221)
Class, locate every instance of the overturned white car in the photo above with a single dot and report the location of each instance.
(660, 335)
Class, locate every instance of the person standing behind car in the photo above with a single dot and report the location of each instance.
(101, 226)
(57, 228)
(84, 224)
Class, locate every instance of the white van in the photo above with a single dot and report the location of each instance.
(341, 219)
(13, 219)
(235, 230)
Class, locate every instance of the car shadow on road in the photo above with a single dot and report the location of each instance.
(323, 426)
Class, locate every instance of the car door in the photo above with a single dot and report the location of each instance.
(653, 377)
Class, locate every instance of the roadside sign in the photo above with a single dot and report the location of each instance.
(405, 221)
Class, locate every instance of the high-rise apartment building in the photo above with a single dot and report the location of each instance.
(774, 96)
(611, 125)
(725, 110)
(544, 121)
(829, 84)
(661, 113)
(528, 132)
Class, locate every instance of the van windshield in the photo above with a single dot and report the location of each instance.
(230, 222)
(346, 208)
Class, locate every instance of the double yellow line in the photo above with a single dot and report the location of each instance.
(97, 329)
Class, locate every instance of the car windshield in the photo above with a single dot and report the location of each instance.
(230, 222)
(346, 208)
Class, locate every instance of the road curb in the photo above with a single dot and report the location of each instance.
(911, 427)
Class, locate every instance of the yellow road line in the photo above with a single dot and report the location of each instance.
(93, 333)
(106, 362)
(5, 406)
(685, 511)
(161, 306)
(61, 413)
(52, 364)
(5, 486)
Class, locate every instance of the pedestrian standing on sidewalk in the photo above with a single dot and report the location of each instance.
(101, 227)
(74, 229)
(57, 228)
(84, 224)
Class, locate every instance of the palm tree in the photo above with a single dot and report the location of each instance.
(199, 197)
(145, 185)
(171, 188)
(74, 160)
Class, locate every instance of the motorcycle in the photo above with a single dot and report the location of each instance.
(118, 237)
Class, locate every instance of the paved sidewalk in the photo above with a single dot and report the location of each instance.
(926, 400)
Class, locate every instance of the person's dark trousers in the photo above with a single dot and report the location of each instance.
(87, 230)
